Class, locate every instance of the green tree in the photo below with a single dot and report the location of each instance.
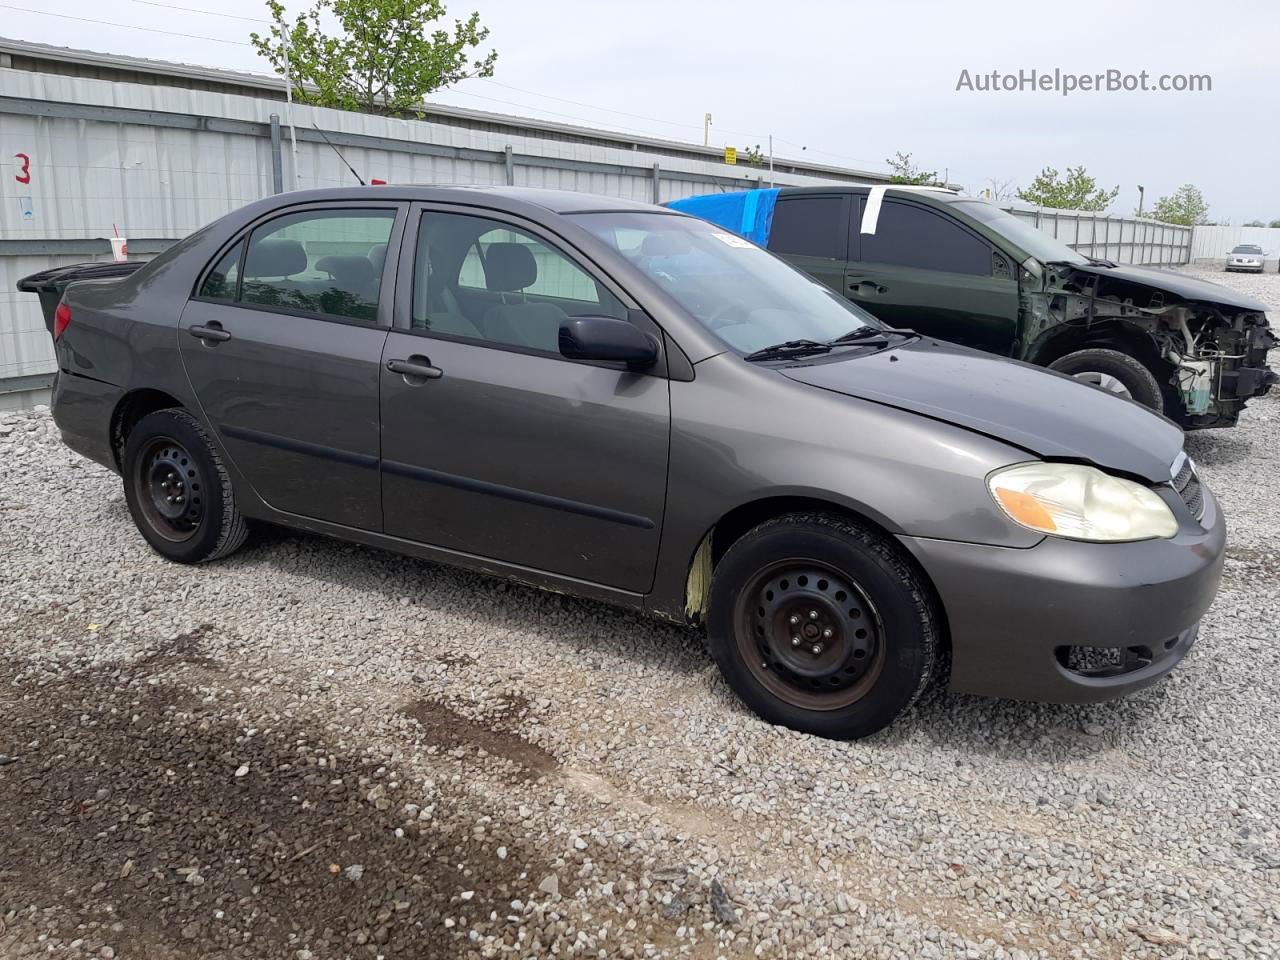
(1255, 223)
(905, 171)
(1185, 206)
(383, 58)
(752, 155)
(1076, 191)
(1274, 223)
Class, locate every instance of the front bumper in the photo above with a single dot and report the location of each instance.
(1244, 267)
(1026, 623)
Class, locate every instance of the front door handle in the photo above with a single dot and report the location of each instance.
(210, 333)
(866, 288)
(416, 370)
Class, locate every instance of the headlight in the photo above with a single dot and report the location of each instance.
(1080, 503)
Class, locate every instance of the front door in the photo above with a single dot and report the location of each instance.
(493, 444)
(283, 347)
(926, 271)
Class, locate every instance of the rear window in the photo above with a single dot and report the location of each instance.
(811, 227)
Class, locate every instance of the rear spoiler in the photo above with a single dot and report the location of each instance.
(52, 283)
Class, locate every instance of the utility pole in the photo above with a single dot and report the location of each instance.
(288, 101)
(706, 129)
(1141, 194)
(771, 161)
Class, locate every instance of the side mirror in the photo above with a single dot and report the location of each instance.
(607, 339)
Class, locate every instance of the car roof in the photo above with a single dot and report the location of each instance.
(498, 197)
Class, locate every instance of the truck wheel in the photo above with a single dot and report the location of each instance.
(820, 625)
(178, 491)
(1115, 372)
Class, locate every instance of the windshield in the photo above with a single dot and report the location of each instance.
(1040, 245)
(746, 296)
(1246, 248)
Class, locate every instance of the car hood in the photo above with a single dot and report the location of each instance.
(1179, 284)
(1046, 413)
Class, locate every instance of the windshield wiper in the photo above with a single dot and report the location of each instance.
(790, 348)
(872, 333)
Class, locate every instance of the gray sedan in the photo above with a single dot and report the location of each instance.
(621, 402)
(1245, 257)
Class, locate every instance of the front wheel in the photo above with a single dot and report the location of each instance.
(178, 490)
(1115, 372)
(821, 625)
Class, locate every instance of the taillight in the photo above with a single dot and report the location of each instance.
(61, 318)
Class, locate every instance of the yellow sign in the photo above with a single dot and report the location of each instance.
(730, 154)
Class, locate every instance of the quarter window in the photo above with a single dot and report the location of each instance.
(220, 283)
(811, 227)
(911, 236)
(487, 280)
(323, 262)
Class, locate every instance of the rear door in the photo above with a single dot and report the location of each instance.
(282, 345)
(505, 449)
(927, 271)
(811, 231)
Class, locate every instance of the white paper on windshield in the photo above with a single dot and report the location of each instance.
(732, 241)
(871, 212)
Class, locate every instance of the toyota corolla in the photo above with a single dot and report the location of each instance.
(625, 403)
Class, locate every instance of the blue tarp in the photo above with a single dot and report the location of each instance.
(748, 212)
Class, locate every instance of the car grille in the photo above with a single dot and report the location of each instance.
(1188, 486)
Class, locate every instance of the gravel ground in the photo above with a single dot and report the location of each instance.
(314, 750)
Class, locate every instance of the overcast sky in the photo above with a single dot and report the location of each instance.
(850, 82)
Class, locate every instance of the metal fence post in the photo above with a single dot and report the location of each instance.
(657, 179)
(509, 161)
(277, 171)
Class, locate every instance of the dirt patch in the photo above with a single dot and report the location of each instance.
(450, 730)
(139, 816)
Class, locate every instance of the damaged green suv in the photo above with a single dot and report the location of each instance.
(964, 270)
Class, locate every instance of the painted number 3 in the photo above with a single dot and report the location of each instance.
(24, 171)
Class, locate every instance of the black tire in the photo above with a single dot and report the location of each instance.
(1111, 365)
(178, 491)
(860, 587)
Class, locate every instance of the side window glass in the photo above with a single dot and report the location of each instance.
(220, 282)
(911, 236)
(811, 227)
(486, 280)
(327, 262)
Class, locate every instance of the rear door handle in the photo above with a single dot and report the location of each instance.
(211, 332)
(416, 370)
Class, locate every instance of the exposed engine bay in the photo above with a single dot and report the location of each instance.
(1209, 355)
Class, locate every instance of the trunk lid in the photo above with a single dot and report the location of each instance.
(51, 284)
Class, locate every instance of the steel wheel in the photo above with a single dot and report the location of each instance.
(809, 634)
(1105, 381)
(170, 489)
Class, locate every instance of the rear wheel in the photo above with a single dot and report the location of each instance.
(178, 491)
(1116, 372)
(820, 625)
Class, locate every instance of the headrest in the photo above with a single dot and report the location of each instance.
(509, 266)
(275, 258)
(351, 272)
(378, 256)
